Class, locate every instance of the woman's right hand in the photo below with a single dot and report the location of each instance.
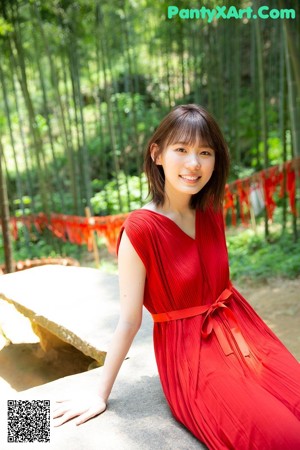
(132, 276)
(84, 408)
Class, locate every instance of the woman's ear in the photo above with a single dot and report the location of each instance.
(153, 151)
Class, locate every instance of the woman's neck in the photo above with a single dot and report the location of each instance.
(176, 203)
(176, 207)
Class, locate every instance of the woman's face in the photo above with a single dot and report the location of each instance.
(187, 168)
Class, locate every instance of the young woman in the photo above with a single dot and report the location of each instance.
(225, 375)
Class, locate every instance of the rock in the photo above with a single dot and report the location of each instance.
(74, 305)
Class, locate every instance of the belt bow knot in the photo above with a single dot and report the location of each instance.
(224, 332)
(227, 332)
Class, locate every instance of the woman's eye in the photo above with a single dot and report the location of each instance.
(180, 149)
(206, 153)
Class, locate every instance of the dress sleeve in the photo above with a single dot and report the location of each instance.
(136, 228)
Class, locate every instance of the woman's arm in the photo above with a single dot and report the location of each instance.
(132, 275)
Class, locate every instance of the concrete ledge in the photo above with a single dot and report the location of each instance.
(137, 418)
(73, 305)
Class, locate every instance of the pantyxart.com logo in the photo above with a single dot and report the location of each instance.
(231, 12)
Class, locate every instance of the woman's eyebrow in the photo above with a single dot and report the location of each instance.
(204, 145)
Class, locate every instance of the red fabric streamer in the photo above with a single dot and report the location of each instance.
(281, 183)
(229, 204)
(58, 226)
(109, 227)
(79, 230)
(269, 184)
(291, 187)
(14, 228)
(243, 191)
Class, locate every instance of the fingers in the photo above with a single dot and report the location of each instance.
(68, 410)
(92, 412)
(60, 410)
(63, 418)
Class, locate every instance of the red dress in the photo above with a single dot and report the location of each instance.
(225, 374)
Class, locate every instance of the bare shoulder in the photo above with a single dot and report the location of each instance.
(126, 246)
(127, 254)
(132, 276)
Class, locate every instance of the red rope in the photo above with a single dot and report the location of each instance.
(79, 230)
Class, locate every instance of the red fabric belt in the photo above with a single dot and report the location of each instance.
(227, 333)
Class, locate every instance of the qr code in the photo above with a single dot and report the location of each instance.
(28, 421)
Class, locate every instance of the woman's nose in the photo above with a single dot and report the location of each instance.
(193, 160)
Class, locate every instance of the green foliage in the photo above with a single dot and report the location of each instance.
(25, 199)
(106, 201)
(251, 257)
(38, 246)
(5, 27)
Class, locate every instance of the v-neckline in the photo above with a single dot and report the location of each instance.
(175, 224)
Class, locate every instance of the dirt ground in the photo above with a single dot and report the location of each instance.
(23, 364)
(278, 303)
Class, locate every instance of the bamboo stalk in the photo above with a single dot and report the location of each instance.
(94, 242)
(4, 210)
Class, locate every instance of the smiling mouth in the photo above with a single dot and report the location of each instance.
(189, 178)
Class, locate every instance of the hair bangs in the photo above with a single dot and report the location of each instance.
(190, 129)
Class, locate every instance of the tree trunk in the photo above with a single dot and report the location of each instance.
(282, 121)
(62, 121)
(38, 53)
(293, 96)
(292, 101)
(19, 185)
(25, 150)
(5, 220)
(31, 117)
(262, 105)
(131, 72)
(103, 153)
(108, 102)
(255, 116)
(74, 56)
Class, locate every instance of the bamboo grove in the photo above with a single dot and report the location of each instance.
(84, 83)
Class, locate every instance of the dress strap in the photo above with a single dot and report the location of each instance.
(210, 323)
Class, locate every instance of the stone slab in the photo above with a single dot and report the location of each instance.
(79, 305)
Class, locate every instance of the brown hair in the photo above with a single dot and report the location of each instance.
(190, 124)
